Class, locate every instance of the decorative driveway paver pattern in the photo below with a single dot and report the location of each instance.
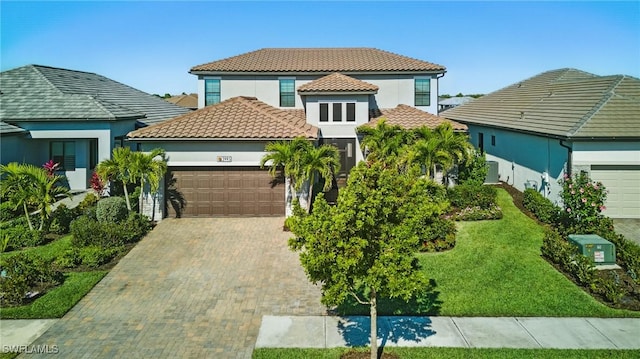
(191, 288)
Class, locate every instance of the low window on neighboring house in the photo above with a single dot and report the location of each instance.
(211, 92)
(324, 112)
(493, 140)
(337, 112)
(287, 93)
(422, 92)
(64, 153)
(351, 112)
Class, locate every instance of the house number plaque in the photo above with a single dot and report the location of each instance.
(224, 158)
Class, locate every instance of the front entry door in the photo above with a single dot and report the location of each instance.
(347, 148)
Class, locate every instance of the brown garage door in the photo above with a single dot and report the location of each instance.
(227, 191)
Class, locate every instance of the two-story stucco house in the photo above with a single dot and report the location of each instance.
(561, 122)
(74, 118)
(248, 100)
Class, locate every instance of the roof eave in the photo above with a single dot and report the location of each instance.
(326, 93)
(316, 73)
(189, 139)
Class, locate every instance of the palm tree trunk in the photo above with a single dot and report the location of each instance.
(26, 213)
(374, 325)
(141, 197)
(310, 194)
(126, 195)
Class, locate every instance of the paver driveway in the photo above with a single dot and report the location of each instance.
(193, 288)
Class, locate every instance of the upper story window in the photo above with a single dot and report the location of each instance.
(287, 93)
(211, 92)
(64, 153)
(351, 112)
(336, 112)
(324, 112)
(422, 92)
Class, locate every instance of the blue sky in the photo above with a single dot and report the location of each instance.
(151, 45)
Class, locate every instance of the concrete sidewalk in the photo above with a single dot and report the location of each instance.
(476, 332)
(22, 332)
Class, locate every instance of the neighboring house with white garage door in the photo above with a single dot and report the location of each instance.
(558, 122)
(248, 100)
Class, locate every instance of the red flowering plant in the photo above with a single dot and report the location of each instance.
(583, 201)
(97, 184)
(51, 167)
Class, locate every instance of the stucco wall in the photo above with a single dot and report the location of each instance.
(524, 159)
(36, 149)
(393, 89)
(11, 148)
(194, 153)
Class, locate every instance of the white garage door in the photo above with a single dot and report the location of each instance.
(623, 184)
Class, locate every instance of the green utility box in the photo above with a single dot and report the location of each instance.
(595, 247)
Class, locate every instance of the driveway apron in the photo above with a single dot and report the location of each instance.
(193, 288)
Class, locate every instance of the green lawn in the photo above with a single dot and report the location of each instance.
(496, 269)
(58, 301)
(451, 353)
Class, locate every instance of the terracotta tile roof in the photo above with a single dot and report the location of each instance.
(566, 103)
(410, 118)
(315, 60)
(188, 101)
(235, 118)
(337, 82)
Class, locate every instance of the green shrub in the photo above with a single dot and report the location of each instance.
(20, 236)
(557, 249)
(112, 209)
(61, 219)
(85, 231)
(609, 288)
(24, 273)
(463, 196)
(8, 212)
(135, 227)
(474, 171)
(583, 269)
(70, 258)
(90, 200)
(95, 256)
(540, 206)
(439, 236)
(583, 202)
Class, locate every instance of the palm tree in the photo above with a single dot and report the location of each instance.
(118, 168)
(15, 187)
(384, 142)
(28, 186)
(324, 160)
(147, 168)
(285, 159)
(441, 147)
(45, 190)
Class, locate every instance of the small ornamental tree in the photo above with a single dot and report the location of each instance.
(583, 201)
(97, 184)
(365, 246)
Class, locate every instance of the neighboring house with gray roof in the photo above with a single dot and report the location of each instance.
(245, 101)
(451, 102)
(560, 122)
(72, 117)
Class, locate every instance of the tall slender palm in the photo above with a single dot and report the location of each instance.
(148, 168)
(323, 160)
(118, 169)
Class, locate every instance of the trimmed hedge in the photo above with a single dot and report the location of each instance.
(25, 273)
(464, 196)
(541, 207)
(439, 236)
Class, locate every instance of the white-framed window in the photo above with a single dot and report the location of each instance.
(287, 92)
(422, 91)
(211, 91)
